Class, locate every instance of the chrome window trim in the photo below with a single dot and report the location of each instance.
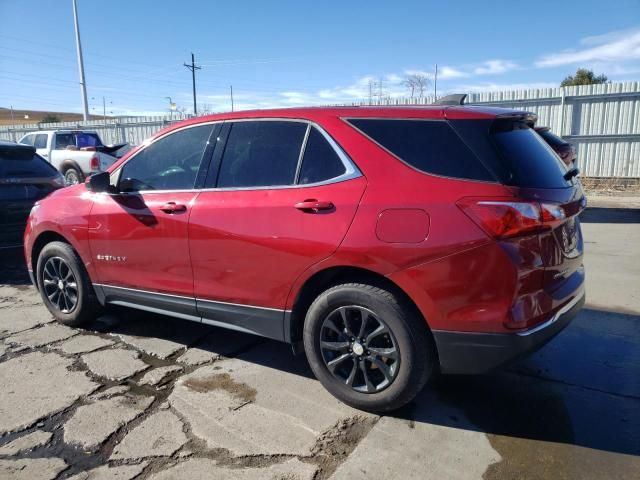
(351, 170)
(204, 300)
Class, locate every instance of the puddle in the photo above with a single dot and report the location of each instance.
(222, 381)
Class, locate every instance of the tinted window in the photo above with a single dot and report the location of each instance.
(530, 160)
(551, 138)
(41, 141)
(17, 163)
(320, 161)
(171, 163)
(261, 153)
(429, 146)
(63, 140)
(78, 140)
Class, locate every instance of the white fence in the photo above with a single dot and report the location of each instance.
(603, 121)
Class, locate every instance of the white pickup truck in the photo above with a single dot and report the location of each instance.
(77, 154)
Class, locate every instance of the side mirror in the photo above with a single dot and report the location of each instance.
(99, 182)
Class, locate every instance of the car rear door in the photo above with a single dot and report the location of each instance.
(139, 235)
(282, 196)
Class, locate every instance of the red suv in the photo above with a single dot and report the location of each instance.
(391, 243)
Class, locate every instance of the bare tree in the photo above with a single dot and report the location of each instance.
(417, 83)
(205, 108)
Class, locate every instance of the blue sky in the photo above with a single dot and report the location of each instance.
(286, 53)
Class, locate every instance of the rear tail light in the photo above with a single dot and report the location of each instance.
(512, 218)
(95, 163)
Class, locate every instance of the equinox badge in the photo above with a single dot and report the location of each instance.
(111, 258)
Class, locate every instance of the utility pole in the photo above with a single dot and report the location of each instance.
(370, 91)
(104, 111)
(12, 121)
(435, 84)
(193, 69)
(231, 89)
(83, 85)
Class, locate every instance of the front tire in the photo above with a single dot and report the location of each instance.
(64, 285)
(368, 347)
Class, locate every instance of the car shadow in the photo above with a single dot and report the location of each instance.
(610, 215)
(13, 268)
(583, 388)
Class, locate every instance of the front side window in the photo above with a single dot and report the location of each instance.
(171, 163)
(261, 154)
(320, 161)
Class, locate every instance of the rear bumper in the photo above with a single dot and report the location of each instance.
(474, 353)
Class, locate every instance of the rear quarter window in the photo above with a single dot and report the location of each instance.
(430, 146)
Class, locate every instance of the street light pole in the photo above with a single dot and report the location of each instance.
(83, 86)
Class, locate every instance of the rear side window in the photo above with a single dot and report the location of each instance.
(430, 146)
(41, 141)
(530, 161)
(64, 140)
(261, 154)
(320, 161)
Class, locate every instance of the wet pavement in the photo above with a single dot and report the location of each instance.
(137, 395)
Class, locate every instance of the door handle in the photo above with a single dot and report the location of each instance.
(314, 206)
(173, 207)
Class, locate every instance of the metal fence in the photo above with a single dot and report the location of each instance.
(602, 121)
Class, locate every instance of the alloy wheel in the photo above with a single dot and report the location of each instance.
(359, 349)
(60, 284)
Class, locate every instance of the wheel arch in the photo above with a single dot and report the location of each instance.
(325, 279)
(43, 239)
(69, 163)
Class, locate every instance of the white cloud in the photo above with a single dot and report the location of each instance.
(445, 72)
(494, 67)
(611, 47)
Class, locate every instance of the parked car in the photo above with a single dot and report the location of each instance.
(25, 177)
(564, 149)
(390, 243)
(76, 153)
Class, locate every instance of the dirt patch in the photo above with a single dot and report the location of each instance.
(336, 444)
(225, 382)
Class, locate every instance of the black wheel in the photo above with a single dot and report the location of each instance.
(73, 176)
(367, 347)
(65, 286)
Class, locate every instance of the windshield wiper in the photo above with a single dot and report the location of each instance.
(571, 173)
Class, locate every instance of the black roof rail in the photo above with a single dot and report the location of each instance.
(453, 99)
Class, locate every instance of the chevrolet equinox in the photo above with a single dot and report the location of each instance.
(390, 243)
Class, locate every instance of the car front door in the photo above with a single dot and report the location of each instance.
(282, 196)
(139, 236)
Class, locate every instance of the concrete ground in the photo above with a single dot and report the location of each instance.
(136, 395)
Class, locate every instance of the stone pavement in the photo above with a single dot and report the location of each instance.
(136, 395)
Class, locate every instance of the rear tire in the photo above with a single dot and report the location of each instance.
(73, 176)
(64, 285)
(390, 359)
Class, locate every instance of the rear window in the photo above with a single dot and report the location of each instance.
(430, 146)
(21, 163)
(77, 139)
(527, 157)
